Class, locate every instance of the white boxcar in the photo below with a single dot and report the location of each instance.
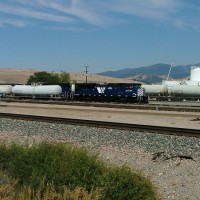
(39, 90)
(5, 89)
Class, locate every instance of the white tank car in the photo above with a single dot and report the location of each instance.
(5, 89)
(155, 90)
(171, 83)
(39, 90)
(186, 91)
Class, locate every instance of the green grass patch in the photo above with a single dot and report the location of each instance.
(62, 166)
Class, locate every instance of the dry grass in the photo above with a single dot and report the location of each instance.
(18, 76)
(8, 192)
(15, 75)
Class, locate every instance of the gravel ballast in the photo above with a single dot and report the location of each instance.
(172, 162)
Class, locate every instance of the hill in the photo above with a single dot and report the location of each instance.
(151, 74)
(19, 76)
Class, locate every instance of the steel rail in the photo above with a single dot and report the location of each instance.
(105, 124)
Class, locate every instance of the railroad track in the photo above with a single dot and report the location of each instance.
(158, 107)
(105, 124)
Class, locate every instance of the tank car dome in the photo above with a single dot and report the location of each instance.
(195, 74)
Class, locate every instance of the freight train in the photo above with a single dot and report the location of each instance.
(128, 92)
(177, 90)
(173, 92)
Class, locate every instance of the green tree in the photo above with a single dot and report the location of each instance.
(49, 78)
(64, 77)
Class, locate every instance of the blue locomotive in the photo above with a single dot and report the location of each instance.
(131, 92)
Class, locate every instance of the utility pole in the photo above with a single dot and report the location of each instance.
(86, 73)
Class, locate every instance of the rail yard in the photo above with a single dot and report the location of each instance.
(122, 114)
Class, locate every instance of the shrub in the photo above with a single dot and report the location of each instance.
(60, 165)
(123, 183)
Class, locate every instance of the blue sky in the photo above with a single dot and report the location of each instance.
(66, 35)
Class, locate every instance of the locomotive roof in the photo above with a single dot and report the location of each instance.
(124, 84)
(92, 85)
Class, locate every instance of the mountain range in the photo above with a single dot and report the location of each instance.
(152, 74)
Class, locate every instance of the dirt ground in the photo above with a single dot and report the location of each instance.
(148, 117)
